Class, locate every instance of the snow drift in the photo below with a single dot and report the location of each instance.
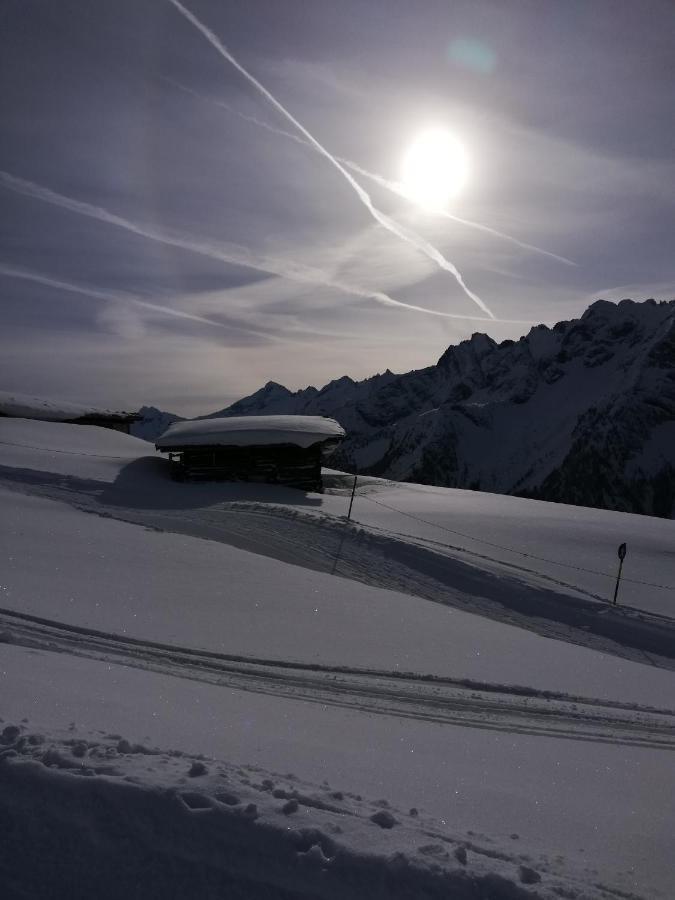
(300, 431)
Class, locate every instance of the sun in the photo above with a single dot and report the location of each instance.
(435, 168)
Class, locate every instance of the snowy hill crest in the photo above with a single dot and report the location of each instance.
(583, 412)
(153, 423)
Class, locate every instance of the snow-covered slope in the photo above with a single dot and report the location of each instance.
(581, 413)
(242, 431)
(58, 447)
(226, 690)
(48, 409)
(153, 423)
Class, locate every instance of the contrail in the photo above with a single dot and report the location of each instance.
(115, 296)
(26, 275)
(405, 234)
(393, 186)
(230, 253)
(233, 254)
(396, 188)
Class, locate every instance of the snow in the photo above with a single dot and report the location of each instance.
(302, 431)
(97, 574)
(657, 449)
(580, 813)
(573, 545)
(152, 423)
(83, 451)
(25, 406)
(212, 656)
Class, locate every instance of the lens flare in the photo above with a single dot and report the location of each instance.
(473, 55)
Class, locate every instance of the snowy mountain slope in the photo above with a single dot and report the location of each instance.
(57, 447)
(262, 673)
(578, 413)
(49, 409)
(153, 423)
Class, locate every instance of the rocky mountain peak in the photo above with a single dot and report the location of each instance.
(583, 412)
(578, 412)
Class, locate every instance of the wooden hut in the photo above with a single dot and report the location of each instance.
(23, 406)
(275, 449)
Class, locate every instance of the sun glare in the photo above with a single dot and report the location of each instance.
(434, 169)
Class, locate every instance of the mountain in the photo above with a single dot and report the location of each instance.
(582, 413)
(154, 422)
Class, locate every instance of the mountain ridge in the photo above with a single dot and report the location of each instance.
(580, 412)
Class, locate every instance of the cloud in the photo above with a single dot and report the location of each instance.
(392, 186)
(102, 294)
(228, 253)
(122, 320)
(405, 234)
(658, 290)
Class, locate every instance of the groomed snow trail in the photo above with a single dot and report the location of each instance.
(445, 701)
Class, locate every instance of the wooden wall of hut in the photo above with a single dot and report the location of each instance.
(115, 423)
(282, 464)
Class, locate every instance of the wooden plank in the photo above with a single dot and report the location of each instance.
(292, 466)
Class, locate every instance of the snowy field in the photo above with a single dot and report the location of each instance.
(269, 702)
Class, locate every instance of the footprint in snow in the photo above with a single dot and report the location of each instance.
(384, 819)
(227, 797)
(528, 875)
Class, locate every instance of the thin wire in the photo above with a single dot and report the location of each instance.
(70, 452)
(471, 537)
(555, 562)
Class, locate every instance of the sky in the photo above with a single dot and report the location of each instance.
(198, 197)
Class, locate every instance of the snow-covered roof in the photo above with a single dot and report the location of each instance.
(24, 406)
(241, 431)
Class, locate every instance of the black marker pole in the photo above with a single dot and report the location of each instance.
(344, 530)
(622, 556)
(351, 502)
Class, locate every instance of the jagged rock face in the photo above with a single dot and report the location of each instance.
(623, 453)
(273, 399)
(583, 412)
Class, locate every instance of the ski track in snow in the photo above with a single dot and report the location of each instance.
(466, 580)
(442, 700)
